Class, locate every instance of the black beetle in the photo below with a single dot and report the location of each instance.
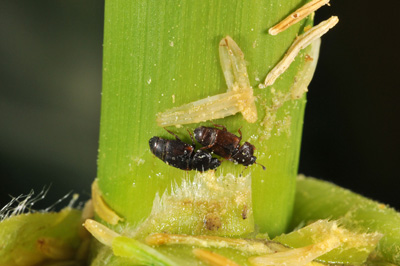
(182, 155)
(226, 144)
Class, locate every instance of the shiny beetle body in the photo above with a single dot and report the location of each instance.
(182, 155)
(225, 144)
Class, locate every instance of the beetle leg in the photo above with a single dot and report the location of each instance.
(221, 126)
(193, 143)
(177, 138)
(240, 133)
(241, 173)
(207, 147)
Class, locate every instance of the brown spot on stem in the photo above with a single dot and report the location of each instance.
(244, 212)
(212, 221)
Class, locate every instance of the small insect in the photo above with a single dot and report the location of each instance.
(226, 144)
(182, 155)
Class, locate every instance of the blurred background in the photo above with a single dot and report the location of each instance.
(50, 73)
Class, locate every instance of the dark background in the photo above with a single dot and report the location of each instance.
(50, 73)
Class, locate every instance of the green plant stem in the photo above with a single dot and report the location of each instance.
(140, 253)
(316, 199)
(158, 55)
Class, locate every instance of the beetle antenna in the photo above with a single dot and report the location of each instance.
(261, 166)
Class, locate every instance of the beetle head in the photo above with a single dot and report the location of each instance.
(203, 161)
(201, 135)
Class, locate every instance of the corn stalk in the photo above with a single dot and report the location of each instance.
(160, 55)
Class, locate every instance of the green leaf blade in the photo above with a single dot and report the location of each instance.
(317, 199)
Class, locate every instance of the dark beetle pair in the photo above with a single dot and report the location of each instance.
(184, 156)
